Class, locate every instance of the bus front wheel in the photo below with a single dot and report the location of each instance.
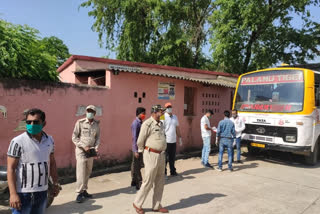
(252, 150)
(312, 158)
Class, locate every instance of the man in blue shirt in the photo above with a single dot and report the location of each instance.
(137, 157)
(226, 134)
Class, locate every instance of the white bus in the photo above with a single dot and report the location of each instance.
(280, 107)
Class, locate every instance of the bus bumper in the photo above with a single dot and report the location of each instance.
(305, 150)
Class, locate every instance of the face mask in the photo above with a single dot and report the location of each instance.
(34, 128)
(142, 116)
(169, 110)
(90, 115)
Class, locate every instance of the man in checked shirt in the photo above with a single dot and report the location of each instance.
(226, 135)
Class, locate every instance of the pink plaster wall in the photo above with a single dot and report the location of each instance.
(108, 79)
(60, 102)
(125, 84)
(67, 74)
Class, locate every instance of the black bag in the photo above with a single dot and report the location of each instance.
(91, 153)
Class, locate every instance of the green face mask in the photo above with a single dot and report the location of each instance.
(34, 128)
(90, 115)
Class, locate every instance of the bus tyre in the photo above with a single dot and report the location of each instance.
(312, 158)
(252, 150)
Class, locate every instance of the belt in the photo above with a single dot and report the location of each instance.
(227, 137)
(152, 150)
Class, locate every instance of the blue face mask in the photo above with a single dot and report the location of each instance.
(34, 128)
(90, 115)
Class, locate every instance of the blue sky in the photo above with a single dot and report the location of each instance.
(64, 19)
(61, 18)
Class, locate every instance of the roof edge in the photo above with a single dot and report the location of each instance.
(71, 59)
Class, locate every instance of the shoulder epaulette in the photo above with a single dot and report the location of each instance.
(148, 122)
(81, 120)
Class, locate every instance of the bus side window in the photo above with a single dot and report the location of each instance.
(317, 96)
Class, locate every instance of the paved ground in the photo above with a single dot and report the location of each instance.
(278, 183)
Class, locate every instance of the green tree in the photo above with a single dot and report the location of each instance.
(24, 55)
(254, 34)
(154, 31)
(55, 47)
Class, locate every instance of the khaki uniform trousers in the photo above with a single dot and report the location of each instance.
(154, 165)
(84, 169)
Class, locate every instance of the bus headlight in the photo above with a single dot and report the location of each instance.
(291, 138)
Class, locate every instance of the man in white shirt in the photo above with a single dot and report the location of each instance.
(30, 164)
(172, 131)
(239, 127)
(206, 137)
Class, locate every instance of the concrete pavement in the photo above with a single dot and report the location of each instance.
(276, 184)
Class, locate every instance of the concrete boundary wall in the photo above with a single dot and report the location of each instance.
(64, 104)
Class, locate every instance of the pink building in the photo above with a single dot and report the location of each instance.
(133, 84)
(117, 88)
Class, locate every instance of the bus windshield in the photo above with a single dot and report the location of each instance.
(271, 91)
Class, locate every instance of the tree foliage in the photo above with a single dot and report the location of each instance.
(244, 34)
(24, 55)
(153, 31)
(255, 34)
(55, 47)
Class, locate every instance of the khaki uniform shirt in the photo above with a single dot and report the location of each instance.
(86, 134)
(152, 135)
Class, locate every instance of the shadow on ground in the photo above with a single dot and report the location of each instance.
(73, 207)
(282, 158)
(186, 175)
(87, 206)
(195, 171)
(125, 190)
(193, 201)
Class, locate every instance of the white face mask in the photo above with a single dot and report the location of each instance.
(90, 115)
(169, 110)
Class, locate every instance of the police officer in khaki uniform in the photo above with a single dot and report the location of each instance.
(86, 137)
(152, 142)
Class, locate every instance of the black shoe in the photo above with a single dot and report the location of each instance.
(239, 161)
(133, 183)
(80, 198)
(174, 174)
(86, 194)
(138, 186)
(231, 169)
(207, 165)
